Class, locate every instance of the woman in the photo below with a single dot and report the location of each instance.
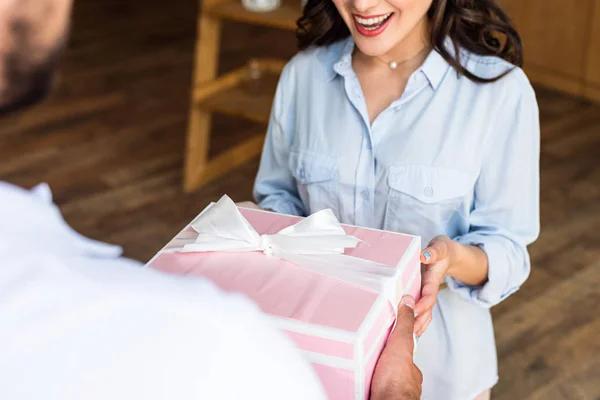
(415, 116)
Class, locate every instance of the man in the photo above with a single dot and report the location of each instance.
(78, 321)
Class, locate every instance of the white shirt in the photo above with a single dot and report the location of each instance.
(77, 321)
(449, 157)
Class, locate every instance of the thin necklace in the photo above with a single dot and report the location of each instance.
(394, 64)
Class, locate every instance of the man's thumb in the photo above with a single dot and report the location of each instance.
(408, 301)
(405, 323)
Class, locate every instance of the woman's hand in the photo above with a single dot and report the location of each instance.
(436, 259)
(248, 204)
(444, 256)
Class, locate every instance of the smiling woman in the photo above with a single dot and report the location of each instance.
(34, 34)
(415, 116)
(479, 26)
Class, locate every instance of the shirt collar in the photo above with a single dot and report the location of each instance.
(340, 58)
(32, 223)
(434, 67)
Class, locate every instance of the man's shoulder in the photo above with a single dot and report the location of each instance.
(87, 323)
(173, 337)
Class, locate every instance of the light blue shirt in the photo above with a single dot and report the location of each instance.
(449, 157)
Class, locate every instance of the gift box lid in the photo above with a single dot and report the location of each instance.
(287, 291)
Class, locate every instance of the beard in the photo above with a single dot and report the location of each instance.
(27, 82)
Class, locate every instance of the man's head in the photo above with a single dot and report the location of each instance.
(32, 35)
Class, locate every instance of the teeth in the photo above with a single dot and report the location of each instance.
(370, 22)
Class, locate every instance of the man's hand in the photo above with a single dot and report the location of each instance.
(396, 377)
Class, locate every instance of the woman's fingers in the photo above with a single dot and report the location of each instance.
(425, 324)
(422, 321)
(430, 286)
(437, 250)
(248, 204)
(434, 259)
(425, 303)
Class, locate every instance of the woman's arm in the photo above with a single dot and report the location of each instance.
(470, 265)
(491, 261)
(275, 187)
(505, 218)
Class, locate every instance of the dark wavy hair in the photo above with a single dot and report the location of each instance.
(478, 26)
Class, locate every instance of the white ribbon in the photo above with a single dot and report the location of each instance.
(315, 243)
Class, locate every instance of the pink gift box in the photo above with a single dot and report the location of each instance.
(341, 328)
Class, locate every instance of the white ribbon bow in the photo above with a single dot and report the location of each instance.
(315, 243)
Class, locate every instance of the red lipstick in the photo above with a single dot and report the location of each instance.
(373, 29)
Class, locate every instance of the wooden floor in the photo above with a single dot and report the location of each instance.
(110, 143)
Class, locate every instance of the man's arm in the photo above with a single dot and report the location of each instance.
(257, 361)
(396, 376)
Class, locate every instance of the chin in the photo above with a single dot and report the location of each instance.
(27, 84)
(373, 47)
(28, 98)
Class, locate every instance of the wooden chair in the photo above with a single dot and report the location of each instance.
(246, 92)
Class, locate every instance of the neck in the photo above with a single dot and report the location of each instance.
(414, 43)
(409, 53)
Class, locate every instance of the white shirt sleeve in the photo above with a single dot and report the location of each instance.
(256, 362)
(79, 322)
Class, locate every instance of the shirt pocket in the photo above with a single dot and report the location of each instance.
(425, 200)
(316, 179)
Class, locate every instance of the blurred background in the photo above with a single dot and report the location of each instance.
(151, 121)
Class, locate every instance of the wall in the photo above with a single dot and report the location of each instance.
(562, 43)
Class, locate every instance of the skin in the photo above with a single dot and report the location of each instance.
(32, 34)
(396, 377)
(444, 256)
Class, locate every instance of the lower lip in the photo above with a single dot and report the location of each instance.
(373, 32)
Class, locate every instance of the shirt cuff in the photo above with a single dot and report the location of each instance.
(282, 205)
(503, 257)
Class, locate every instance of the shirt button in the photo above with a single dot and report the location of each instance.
(302, 173)
(369, 146)
(428, 191)
(365, 194)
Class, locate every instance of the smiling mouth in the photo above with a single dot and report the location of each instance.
(372, 23)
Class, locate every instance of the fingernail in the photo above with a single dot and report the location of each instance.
(427, 256)
(409, 301)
